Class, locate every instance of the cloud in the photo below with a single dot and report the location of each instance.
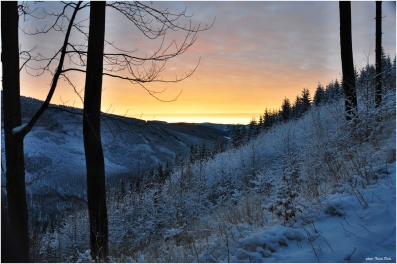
(255, 54)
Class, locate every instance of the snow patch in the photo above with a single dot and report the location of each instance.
(18, 129)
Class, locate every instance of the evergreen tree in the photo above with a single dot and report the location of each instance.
(393, 75)
(261, 123)
(285, 110)
(333, 91)
(192, 154)
(236, 136)
(301, 105)
(178, 158)
(267, 120)
(355, 72)
(122, 188)
(296, 110)
(319, 95)
(305, 101)
(160, 174)
(202, 155)
(388, 73)
(338, 90)
(366, 85)
(275, 117)
(252, 129)
(328, 92)
(258, 129)
(243, 134)
(215, 148)
(168, 169)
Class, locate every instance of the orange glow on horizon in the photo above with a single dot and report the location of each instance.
(255, 55)
(198, 102)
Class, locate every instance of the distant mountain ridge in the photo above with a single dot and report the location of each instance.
(54, 153)
(129, 144)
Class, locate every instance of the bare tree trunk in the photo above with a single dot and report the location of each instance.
(349, 85)
(378, 54)
(96, 190)
(15, 170)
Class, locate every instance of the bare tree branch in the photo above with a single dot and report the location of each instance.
(25, 129)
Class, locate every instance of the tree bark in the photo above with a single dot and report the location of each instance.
(378, 54)
(15, 170)
(349, 85)
(96, 190)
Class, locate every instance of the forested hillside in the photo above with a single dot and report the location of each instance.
(292, 192)
(313, 180)
(55, 162)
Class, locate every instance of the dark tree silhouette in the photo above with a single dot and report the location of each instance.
(13, 128)
(15, 170)
(378, 52)
(114, 64)
(58, 72)
(319, 95)
(95, 165)
(285, 110)
(349, 86)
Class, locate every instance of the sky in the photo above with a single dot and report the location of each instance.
(254, 55)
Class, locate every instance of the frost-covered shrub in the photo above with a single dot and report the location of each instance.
(262, 184)
(62, 240)
(249, 210)
(285, 205)
(199, 211)
(340, 151)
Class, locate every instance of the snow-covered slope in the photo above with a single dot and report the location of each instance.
(314, 189)
(57, 142)
(60, 134)
(337, 228)
(55, 161)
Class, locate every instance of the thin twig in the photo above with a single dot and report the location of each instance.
(326, 241)
(309, 239)
(346, 230)
(346, 221)
(351, 255)
(359, 216)
(364, 227)
(376, 196)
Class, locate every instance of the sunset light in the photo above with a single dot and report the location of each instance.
(255, 55)
(192, 132)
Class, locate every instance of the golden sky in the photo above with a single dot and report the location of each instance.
(255, 55)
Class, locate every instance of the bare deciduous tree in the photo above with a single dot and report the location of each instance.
(111, 64)
(115, 63)
(15, 170)
(13, 128)
(96, 191)
(349, 86)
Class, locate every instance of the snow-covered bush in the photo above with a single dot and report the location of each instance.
(227, 207)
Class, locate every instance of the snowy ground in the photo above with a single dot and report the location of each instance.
(317, 189)
(338, 229)
(341, 227)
